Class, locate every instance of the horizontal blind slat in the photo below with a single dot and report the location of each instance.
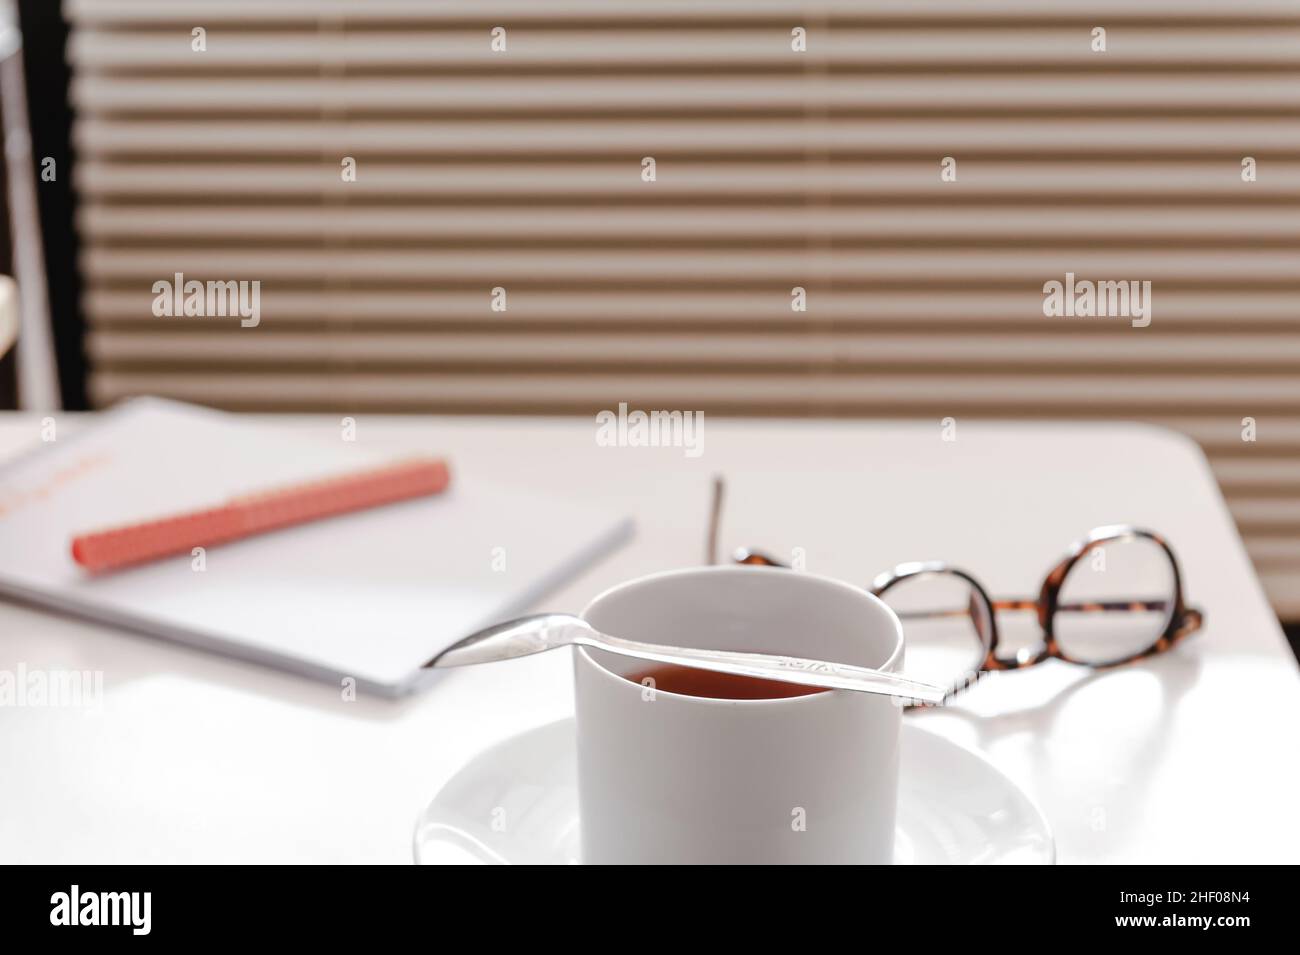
(922, 392)
(386, 141)
(1029, 268)
(160, 12)
(884, 180)
(178, 341)
(1195, 92)
(1208, 310)
(566, 48)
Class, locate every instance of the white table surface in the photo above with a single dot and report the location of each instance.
(1187, 758)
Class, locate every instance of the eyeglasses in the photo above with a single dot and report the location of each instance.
(1115, 597)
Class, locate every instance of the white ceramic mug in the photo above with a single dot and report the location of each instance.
(666, 778)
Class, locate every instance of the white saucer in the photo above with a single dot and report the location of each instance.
(517, 803)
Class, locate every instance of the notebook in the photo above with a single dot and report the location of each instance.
(369, 595)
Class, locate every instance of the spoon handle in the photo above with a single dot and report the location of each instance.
(785, 669)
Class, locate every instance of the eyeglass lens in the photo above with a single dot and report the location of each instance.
(945, 626)
(1115, 601)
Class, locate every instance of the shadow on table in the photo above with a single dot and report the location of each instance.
(1099, 733)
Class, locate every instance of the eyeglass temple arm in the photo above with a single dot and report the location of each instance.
(1191, 620)
(715, 520)
(1086, 606)
(1111, 606)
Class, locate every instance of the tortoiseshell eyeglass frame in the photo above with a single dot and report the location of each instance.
(1182, 622)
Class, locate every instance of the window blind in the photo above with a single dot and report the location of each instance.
(823, 169)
